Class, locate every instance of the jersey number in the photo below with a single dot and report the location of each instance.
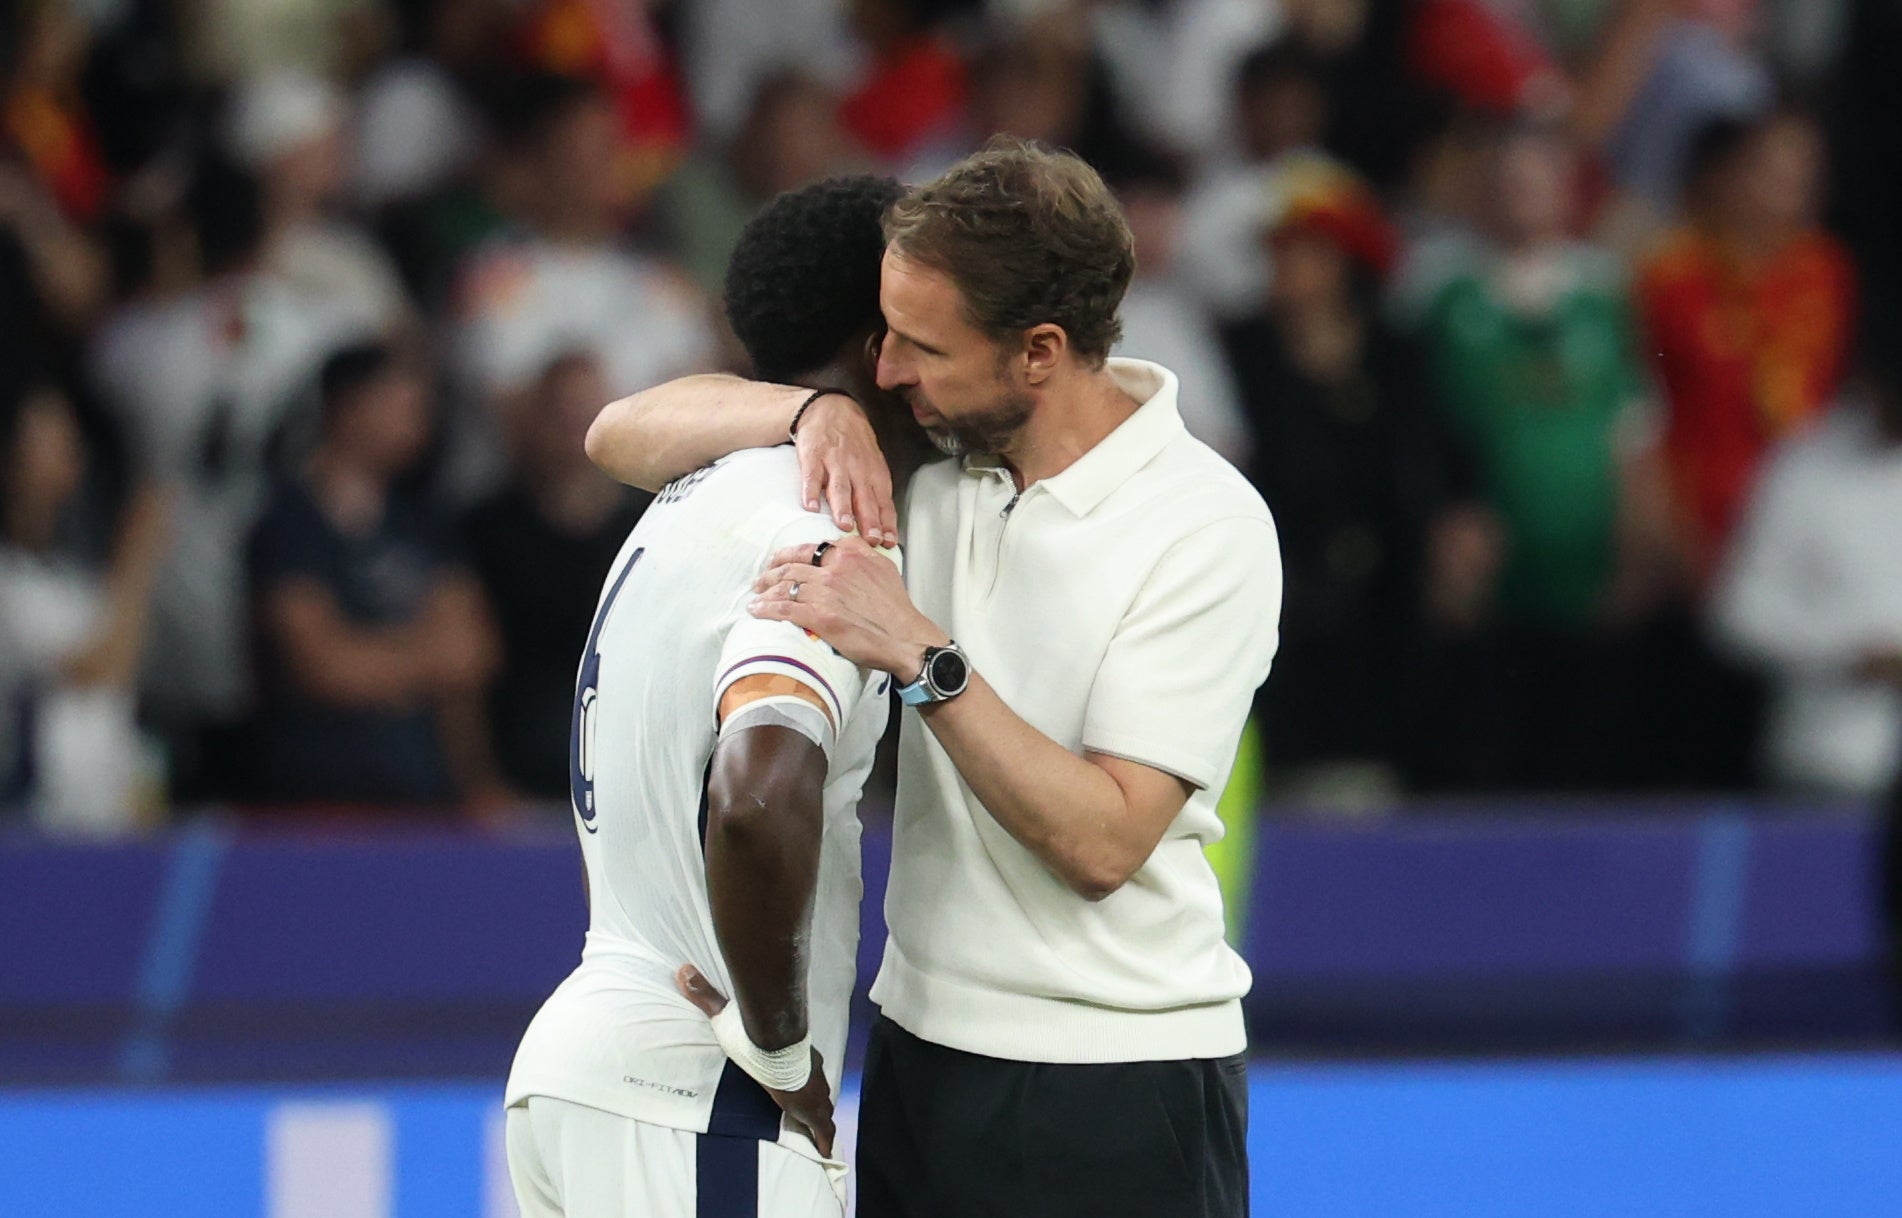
(581, 754)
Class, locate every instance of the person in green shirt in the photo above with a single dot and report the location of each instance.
(1531, 348)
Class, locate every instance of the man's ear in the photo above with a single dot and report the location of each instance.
(1044, 349)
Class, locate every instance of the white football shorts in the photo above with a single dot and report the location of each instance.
(567, 1160)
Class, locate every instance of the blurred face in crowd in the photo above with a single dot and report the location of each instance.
(579, 188)
(385, 423)
(1776, 182)
(463, 33)
(1035, 92)
(53, 40)
(791, 137)
(1534, 175)
(309, 176)
(1328, 26)
(1280, 116)
(881, 23)
(1154, 213)
(1449, 174)
(956, 379)
(555, 425)
(1312, 272)
(45, 466)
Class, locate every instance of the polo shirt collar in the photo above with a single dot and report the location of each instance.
(1135, 442)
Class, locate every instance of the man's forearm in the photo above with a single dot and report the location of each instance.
(660, 434)
(1063, 808)
(765, 818)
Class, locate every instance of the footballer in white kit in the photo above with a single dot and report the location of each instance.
(693, 717)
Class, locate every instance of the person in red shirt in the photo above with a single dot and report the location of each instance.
(914, 85)
(44, 123)
(1749, 312)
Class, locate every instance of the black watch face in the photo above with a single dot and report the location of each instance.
(949, 672)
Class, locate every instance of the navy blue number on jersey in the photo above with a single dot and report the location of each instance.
(581, 753)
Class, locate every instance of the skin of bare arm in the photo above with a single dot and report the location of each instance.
(651, 438)
(113, 656)
(339, 663)
(765, 821)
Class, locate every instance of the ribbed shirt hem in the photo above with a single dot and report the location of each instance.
(1030, 1028)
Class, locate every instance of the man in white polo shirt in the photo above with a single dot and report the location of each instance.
(1061, 1029)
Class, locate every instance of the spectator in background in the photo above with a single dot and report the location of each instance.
(416, 128)
(912, 91)
(53, 182)
(622, 51)
(1441, 210)
(541, 548)
(1281, 112)
(1664, 70)
(791, 137)
(1171, 64)
(45, 116)
(1358, 48)
(201, 380)
(1813, 589)
(1037, 79)
(1165, 322)
(730, 47)
(53, 281)
(373, 639)
(71, 636)
(1749, 311)
(288, 130)
(1484, 53)
(433, 237)
(567, 279)
(1533, 355)
(1347, 455)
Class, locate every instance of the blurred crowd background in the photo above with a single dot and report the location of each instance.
(1560, 335)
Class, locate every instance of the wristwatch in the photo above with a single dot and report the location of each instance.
(944, 676)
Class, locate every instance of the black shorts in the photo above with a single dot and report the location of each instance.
(947, 1134)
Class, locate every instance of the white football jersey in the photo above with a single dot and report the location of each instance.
(670, 634)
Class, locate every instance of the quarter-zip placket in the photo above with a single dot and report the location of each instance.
(1003, 530)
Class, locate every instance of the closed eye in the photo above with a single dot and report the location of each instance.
(908, 339)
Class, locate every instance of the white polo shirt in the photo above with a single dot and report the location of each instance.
(1128, 606)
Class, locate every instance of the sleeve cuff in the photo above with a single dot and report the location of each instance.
(1184, 763)
(784, 666)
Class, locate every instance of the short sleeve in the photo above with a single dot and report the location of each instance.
(757, 645)
(1180, 675)
(289, 542)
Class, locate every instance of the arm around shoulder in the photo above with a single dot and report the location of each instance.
(650, 438)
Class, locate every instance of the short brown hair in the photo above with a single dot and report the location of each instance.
(1029, 236)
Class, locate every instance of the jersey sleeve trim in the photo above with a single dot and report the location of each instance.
(799, 670)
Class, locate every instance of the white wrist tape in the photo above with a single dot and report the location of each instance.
(786, 1069)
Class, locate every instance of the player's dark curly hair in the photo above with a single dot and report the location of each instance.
(804, 277)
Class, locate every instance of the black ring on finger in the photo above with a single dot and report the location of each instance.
(819, 553)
